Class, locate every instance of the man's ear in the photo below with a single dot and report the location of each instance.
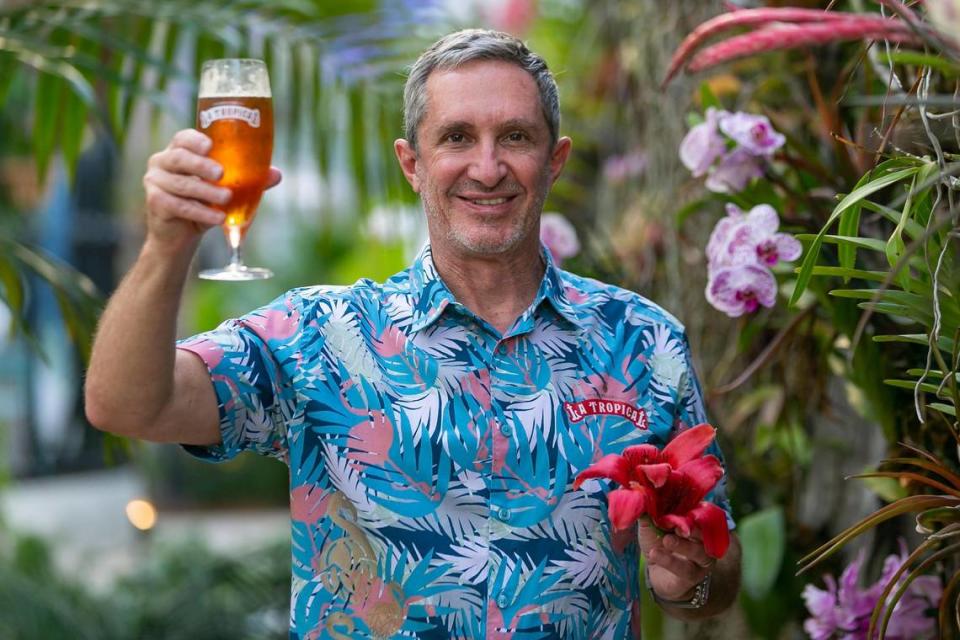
(558, 157)
(407, 157)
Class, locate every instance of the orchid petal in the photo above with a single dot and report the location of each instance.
(712, 521)
(625, 506)
(788, 247)
(763, 219)
(688, 444)
(610, 466)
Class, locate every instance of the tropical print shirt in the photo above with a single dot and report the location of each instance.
(431, 458)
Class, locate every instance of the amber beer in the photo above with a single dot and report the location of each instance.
(235, 109)
(241, 128)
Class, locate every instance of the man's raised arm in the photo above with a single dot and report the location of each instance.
(138, 384)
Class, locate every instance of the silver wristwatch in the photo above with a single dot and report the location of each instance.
(701, 593)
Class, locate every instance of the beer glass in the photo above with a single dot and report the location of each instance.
(235, 109)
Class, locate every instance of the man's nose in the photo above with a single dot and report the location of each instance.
(486, 165)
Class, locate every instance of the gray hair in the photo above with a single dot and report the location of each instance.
(458, 48)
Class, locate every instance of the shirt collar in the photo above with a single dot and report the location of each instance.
(430, 295)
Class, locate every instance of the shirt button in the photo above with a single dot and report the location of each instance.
(503, 601)
(503, 513)
(502, 350)
(506, 430)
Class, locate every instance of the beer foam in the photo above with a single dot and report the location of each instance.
(236, 78)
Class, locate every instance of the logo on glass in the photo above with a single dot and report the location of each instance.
(229, 112)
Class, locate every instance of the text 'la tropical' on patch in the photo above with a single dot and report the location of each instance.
(577, 411)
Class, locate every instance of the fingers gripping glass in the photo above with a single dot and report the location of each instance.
(235, 109)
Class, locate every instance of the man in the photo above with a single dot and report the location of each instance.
(433, 424)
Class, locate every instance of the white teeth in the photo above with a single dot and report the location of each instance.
(491, 201)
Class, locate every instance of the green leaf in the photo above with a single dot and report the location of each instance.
(872, 244)
(72, 128)
(912, 229)
(933, 520)
(918, 304)
(8, 71)
(945, 344)
(946, 67)
(848, 274)
(912, 384)
(895, 246)
(46, 108)
(948, 409)
(897, 310)
(708, 98)
(763, 538)
(11, 287)
(852, 199)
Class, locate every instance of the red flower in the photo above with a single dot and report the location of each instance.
(668, 485)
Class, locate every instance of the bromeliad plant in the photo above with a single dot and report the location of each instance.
(938, 518)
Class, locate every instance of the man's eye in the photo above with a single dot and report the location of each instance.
(456, 138)
(516, 136)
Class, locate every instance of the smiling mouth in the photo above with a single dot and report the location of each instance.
(487, 202)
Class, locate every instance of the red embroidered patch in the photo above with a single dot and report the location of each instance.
(577, 411)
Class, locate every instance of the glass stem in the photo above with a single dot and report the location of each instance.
(236, 261)
(235, 240)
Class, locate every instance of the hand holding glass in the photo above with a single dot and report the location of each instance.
(235, 109)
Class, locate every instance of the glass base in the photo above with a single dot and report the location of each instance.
(236, 273)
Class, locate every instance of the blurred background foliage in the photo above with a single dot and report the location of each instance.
(804, 395)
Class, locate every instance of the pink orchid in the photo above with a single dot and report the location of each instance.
(559, 236)
(668, 485)
(703, 144)
(750, 238)
(734, 171)
(741, 289)
(753, 133)
(845, 608)
(616, 169)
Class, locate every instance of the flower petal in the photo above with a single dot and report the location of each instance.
(788, 247)
(625, 506)
(763, 219)
(643, 454)
(688, 444)
(656, 474)
(682, 524)
(610, 466)
(739, 290)
(712, 521)
(700, 476)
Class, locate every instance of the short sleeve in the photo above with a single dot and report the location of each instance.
(691, 411)
(245, 358)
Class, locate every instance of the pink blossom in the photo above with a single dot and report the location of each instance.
(618, 168)
(752, 133)
(750, 238)
(734, 172)
(844, 610)
(703, 144)
(513, 16)
(559, 236)
(741, 289)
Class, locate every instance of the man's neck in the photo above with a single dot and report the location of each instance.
(496, 288)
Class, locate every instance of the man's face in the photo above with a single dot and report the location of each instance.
(484, 162)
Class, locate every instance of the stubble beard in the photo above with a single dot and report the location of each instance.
(522, 227)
